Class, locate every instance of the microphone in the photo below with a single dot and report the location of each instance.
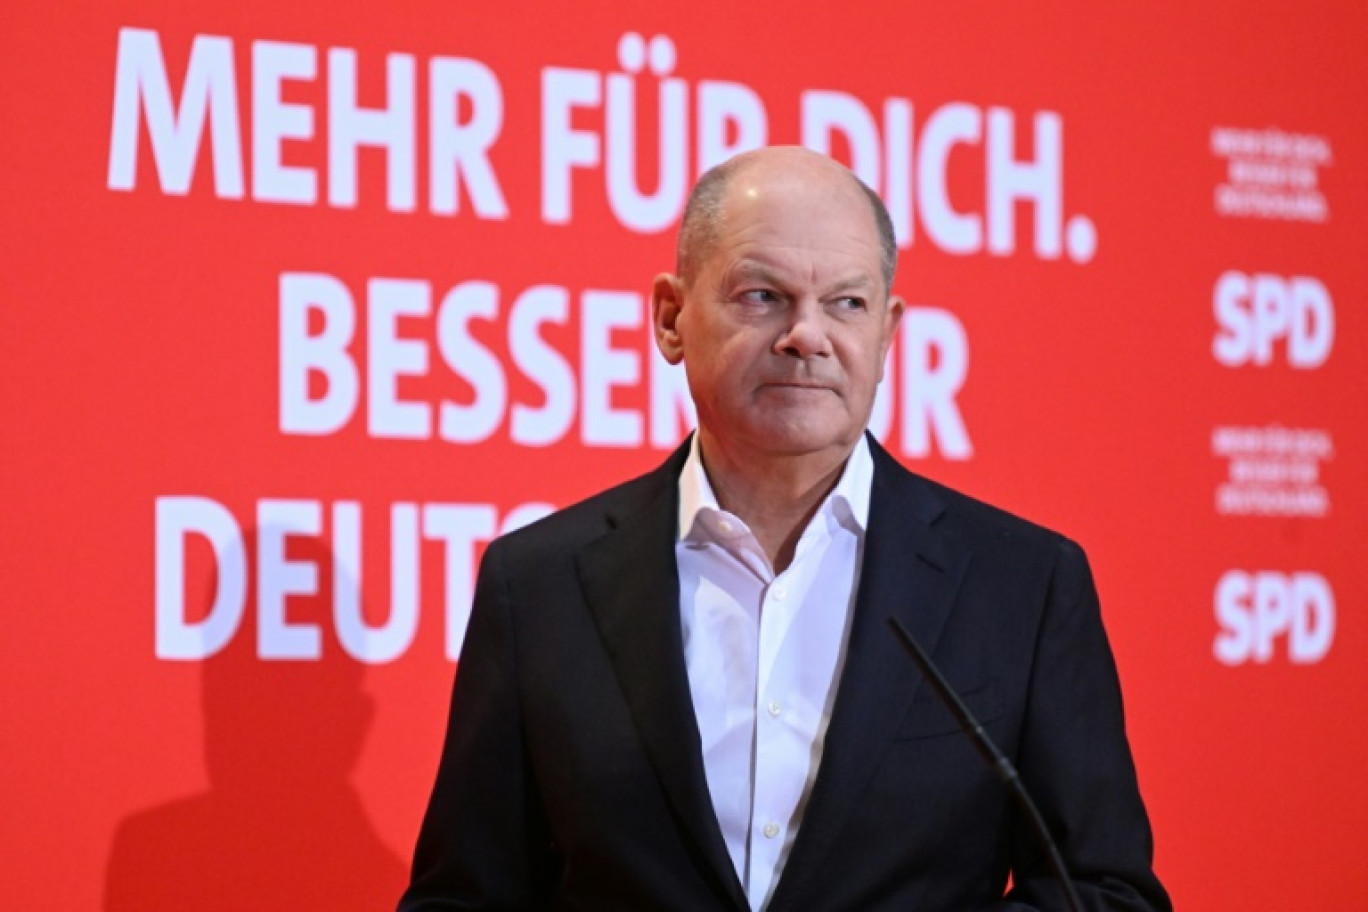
(996, 759)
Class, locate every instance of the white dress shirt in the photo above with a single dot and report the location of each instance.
(764, 654)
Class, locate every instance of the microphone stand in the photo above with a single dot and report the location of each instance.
(996, 759)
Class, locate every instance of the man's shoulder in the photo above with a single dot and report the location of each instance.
(964, 516)
(580, 523)
(991, 518)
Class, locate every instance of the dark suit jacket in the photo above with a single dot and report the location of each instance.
(572, 775)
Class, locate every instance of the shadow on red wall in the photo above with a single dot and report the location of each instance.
(281, 826)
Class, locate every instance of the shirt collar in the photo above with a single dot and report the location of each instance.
(850, 497)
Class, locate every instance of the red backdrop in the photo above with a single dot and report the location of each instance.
(303, 305)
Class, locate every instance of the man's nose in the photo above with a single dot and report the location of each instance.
(805, 336)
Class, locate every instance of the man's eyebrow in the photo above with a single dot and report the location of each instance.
(757, 270)
(859, 282)
(754, 269)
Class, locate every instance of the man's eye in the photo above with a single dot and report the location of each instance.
(851, 304)
(759, 296)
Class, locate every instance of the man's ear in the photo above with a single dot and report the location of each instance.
(667, 301)
(892, 316)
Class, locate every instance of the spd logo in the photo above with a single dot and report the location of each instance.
(1255, 312)
(1259, 612)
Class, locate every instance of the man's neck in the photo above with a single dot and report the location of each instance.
(775, 496)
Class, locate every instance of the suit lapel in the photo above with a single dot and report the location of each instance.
(631, 584)
(910, 572)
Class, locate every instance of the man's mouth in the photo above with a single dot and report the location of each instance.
(797, 385)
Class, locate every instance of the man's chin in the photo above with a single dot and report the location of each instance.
(792, 439)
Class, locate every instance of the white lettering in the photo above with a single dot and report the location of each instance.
(210, 92)
(1254, 313)
(390, 357)
(1254, 610)
(563, 147)
(279, 577)
(176, 518)
(351, 126)
(827, 113)
(935, 364)
(466, 356)
(274, 121)
(605, 367)
(949, 126)
(302, 354)
(723, 108)
(458, 528)
(1039, 182)
(361, 640)
(462, 150)
(646, 213)
(543, 365)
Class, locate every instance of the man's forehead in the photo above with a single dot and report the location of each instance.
(792, 194)
(802, 200)
(778, 226)
(806, 176)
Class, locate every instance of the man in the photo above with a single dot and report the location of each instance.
(685, 693)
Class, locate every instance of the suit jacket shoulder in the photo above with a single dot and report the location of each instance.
(962, 520)
(575, 526)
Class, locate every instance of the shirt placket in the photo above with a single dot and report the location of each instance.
(772, 801)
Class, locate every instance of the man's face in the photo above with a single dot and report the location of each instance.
(784, 327)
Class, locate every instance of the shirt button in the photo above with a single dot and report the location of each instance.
(774, 708)
(779, 592)
(771, 830)
(725, 526)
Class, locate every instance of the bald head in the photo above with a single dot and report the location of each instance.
(706, 209)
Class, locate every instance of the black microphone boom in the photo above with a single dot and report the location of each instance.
(996, 759)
